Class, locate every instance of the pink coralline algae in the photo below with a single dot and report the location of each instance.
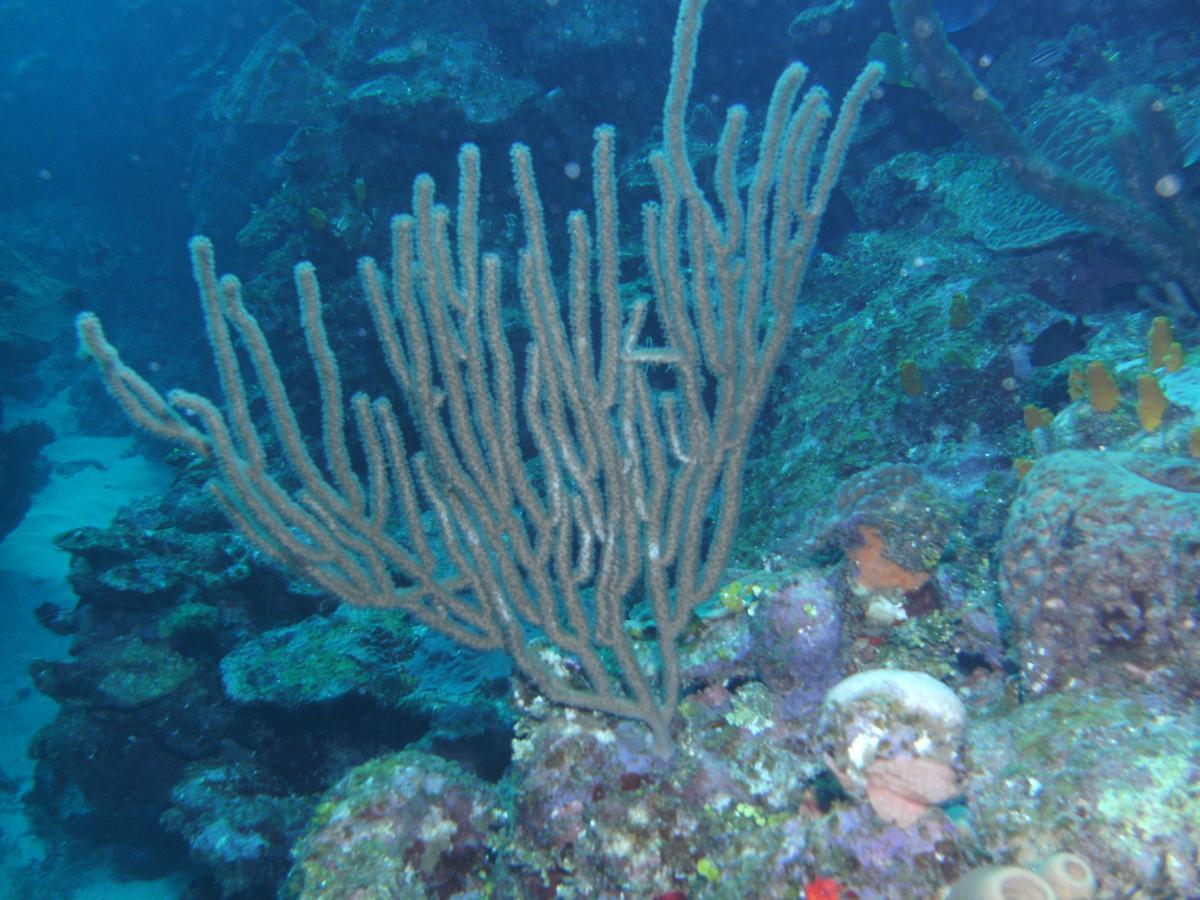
(1101, 569)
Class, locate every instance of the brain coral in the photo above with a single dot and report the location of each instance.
(1100, 570)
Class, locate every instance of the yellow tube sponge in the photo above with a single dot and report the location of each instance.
(1102, 389)
(1158, 341)
(1151, 403)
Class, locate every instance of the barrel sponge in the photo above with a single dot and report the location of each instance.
(1069, 874)
(1001, 883)
(1097, 575)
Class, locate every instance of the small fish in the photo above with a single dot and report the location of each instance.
(1048, 54)
(886, 49)
(959, 14)
(1191, 145)
(1058, 341)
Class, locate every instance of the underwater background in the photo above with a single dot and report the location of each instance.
(954, 647)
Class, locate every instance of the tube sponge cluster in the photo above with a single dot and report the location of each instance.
(1060, 876)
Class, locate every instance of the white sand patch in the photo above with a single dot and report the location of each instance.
(92, 478)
